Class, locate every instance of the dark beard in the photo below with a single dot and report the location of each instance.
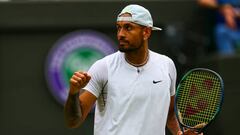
(122, 49)
(127, 49)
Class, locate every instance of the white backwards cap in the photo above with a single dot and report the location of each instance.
(139, 15)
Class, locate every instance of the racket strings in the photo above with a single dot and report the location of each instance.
(199, 98)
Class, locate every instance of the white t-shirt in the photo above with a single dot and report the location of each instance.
(132, 100)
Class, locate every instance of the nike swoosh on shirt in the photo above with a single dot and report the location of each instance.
(154, 82)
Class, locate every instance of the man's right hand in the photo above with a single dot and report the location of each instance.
(78, 81)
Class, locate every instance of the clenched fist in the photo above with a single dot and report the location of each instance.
(78, 81)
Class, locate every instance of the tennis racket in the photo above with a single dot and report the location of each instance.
(198, 99)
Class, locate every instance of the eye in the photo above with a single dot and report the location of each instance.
(118, 27)
(128, 27)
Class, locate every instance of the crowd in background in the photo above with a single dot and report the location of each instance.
(227, 25)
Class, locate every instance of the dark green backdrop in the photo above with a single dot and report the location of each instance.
(29, 29)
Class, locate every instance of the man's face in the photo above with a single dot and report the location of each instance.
(129, 35)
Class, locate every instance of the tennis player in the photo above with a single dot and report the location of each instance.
(133, 88)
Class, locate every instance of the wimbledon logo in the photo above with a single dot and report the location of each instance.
(74, 51)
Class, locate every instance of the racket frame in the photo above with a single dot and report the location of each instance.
(200, 129)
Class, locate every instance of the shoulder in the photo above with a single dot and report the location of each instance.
(102, 64)
(162, 61)
(106, 59)
(113, 59)
(160, 57)
(115, 55)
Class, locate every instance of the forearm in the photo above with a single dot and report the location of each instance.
(172, 124)
(208, 3)
(72, 111)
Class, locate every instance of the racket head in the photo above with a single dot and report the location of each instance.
(199, 98)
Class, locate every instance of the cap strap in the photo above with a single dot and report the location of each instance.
(129, 19)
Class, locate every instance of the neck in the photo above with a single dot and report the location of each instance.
(138, 58)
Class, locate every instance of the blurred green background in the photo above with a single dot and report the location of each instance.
(29, 29)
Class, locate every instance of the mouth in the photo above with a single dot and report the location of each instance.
(122, 42)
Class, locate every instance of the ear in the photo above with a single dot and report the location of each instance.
(147, 33)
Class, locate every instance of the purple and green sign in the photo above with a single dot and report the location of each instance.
(73, 52)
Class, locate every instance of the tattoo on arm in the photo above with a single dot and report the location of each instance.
(72, 110)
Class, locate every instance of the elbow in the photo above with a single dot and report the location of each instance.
(72, 123)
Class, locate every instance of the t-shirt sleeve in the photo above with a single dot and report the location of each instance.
(173, 77)
(98, 73)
